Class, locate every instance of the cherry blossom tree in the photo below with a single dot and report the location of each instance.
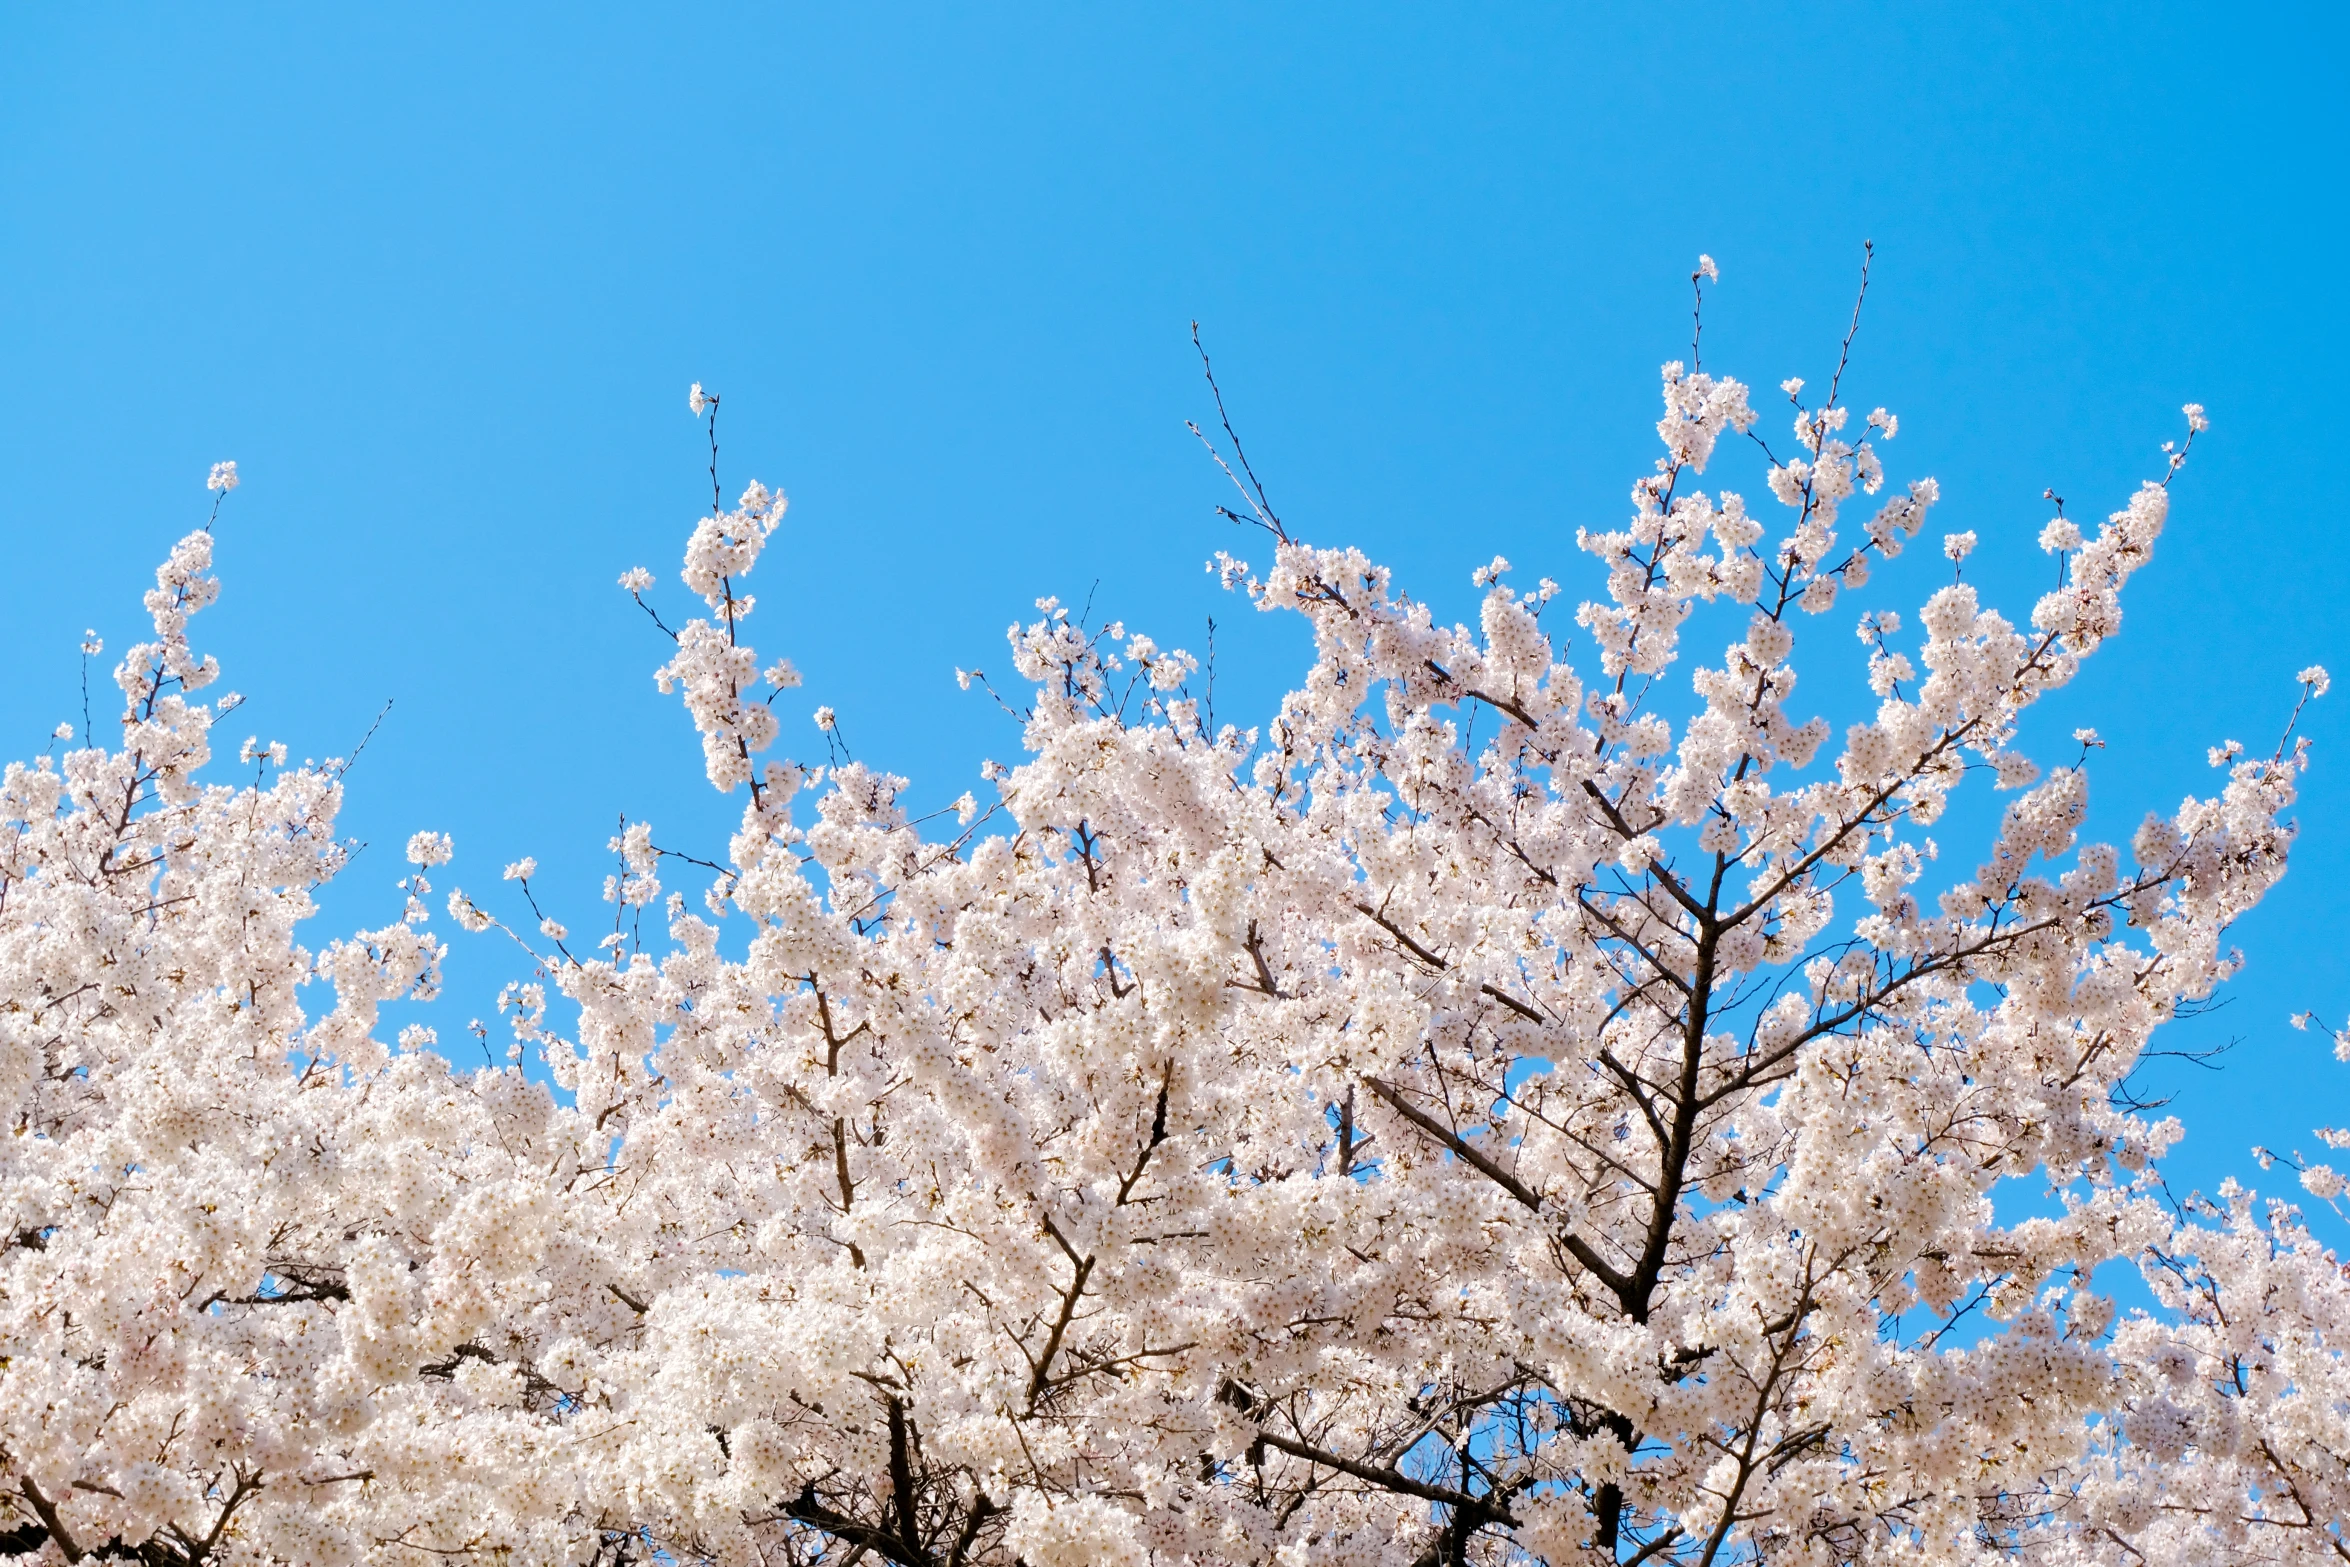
(1502, 1109)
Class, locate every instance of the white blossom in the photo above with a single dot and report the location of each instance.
(430, 849)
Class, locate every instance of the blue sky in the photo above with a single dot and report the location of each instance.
(438, 282)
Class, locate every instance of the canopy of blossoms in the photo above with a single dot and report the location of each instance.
(1504, 1109)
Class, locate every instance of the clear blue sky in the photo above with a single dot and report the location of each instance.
(438, 280)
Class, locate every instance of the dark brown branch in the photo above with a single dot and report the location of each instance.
(47, 1513)
(1482, 1510)
(1041, 1378)
(1617, 1283)
(1432, 961)
(805, 1508)
(901, 1481)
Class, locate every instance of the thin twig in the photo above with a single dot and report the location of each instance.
(1252, 492)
